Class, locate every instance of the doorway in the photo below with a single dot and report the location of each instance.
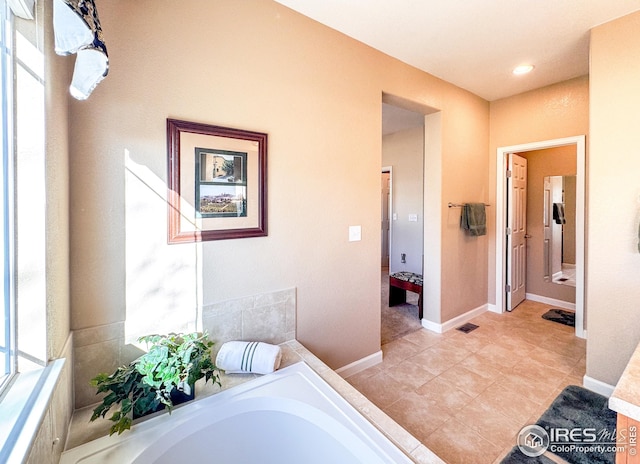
(502, 268)
(401, 213)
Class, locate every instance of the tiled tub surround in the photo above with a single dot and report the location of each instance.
(82, 430)
(269, 317)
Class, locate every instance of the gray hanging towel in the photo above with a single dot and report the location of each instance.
(558, 213)
(474, 219)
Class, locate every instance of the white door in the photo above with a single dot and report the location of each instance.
(516, 230)
(384, 223)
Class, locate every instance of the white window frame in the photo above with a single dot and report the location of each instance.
(7, 194)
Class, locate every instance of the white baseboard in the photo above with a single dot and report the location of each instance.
(493, 308)
(455, 322)
(360, 365)
(551, 301)
(597, 386)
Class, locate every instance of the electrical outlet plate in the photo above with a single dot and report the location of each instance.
(355, 233)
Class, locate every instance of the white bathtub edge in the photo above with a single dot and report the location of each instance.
(409, 444)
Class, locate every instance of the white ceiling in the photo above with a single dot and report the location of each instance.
(475, 44)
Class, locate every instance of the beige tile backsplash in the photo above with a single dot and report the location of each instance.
(268, 317)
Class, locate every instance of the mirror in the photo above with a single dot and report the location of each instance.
(560, 230)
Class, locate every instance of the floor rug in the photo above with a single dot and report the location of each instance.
(561, 316)
(577, 408)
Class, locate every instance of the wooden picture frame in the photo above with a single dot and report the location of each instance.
(217, 182)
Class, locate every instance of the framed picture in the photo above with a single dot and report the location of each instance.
(217, 186)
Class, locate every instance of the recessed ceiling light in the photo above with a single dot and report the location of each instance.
(523, 69)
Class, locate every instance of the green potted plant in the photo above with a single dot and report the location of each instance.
(171, 366)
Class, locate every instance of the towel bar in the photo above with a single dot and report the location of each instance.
(456, 205)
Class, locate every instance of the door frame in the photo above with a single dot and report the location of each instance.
(500, 238)
(389, 169)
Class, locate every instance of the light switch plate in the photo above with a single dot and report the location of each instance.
(355, 233)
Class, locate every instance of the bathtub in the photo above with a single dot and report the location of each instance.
(290, 416)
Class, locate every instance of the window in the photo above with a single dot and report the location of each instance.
(7, 321)
(23, 334)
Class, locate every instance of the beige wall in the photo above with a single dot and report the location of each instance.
(557, 111)
(259, 66)
(464, 167)
(557, 161)
(613, 261)
(404, 151)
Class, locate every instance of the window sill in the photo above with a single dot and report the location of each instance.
(23, 408)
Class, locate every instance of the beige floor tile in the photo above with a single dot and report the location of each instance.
(481, 366)
(440, 357)
(537, 369)
(535, 390)
(445, 395)
(500, 356)
(423, 338)
(509, 403)
(410, 373)
(530, 337)
(468, 381)
(471, 342)
(362, 376)
(571, 379)
(516, 345)
(455, 443)
(418, 415)
(553, 359)
(489, 424)
(397, 351)
(382, 389)
(570, 349)
(578, 373)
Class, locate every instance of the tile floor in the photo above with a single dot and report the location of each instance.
(466, 396)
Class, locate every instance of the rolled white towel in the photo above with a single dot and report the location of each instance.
(241, 357)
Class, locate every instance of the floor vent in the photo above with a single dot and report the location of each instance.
(468, 327)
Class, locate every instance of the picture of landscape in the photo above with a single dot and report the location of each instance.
(222, 200)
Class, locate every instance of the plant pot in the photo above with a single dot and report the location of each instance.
(177, 397)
